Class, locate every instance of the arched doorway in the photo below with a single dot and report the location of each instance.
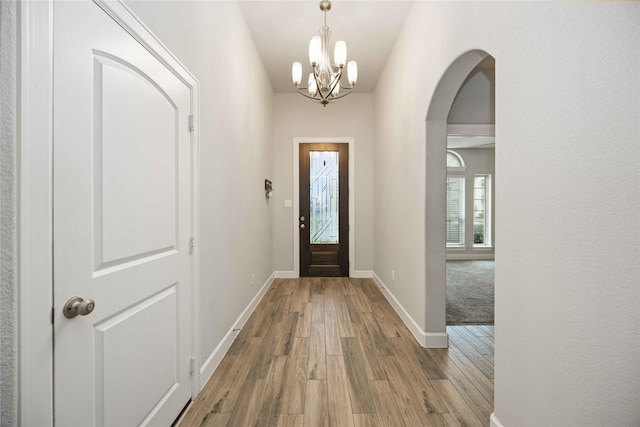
(470, 203)
(436, 180)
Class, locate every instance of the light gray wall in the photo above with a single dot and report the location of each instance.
(236, 153)
(568, 178)
(477, 161)
(297, 116)
(8, 216)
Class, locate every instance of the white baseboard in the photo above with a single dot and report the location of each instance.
(362, 274)
(285, 275)
(470, 257)
(494, 422)
(212, 362)
(425, 339)
(435, 340)
(358, 274)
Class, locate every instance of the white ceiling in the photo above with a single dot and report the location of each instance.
(282, 30)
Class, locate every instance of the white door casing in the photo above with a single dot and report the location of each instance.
(123, 215)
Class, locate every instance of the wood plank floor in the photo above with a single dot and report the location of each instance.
(333, 352)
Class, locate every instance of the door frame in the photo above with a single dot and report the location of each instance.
(296, 196)
(35, 199)
(306, 252)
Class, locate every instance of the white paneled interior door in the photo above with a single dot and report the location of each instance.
(122, 220)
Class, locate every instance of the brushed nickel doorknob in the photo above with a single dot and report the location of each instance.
(78, 306)
(302, 226)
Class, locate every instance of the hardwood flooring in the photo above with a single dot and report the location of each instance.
(333, 352)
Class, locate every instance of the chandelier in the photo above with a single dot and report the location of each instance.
(324, 85)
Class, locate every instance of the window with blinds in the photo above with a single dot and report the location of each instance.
(481, 212)
(455, 211)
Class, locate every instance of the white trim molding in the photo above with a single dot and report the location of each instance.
(494, 422)
(296, 196)
(36, 198)
(425, 339)
(357, 274)
(470, 130)
(285, 275)
(361, 274)
(35, 211)
(195, 232)
(471, 136)
(212, 362)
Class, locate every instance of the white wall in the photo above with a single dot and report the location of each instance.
(568, 177)
(296, 116)
(236, 153)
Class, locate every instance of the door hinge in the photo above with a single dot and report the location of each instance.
(191, 245)
(53, 314)
(191, 123)
(192, 366)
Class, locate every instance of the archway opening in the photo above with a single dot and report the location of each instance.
(470, 207)
(437, 132)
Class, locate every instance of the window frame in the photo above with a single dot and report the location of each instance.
(462, 210)
(457, 172)
(488, 241)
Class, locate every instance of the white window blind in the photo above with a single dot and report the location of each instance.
(481, 212)
(455, 211)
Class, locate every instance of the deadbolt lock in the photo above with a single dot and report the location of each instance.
(78, 306)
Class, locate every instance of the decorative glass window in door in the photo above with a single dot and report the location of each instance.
(324, 196)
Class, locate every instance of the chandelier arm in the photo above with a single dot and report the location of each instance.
(313, 98)
(316, 98)
(315, 77)
(342, 95)
(335, 83)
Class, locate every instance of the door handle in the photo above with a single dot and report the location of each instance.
(302, 226)
(78, 306)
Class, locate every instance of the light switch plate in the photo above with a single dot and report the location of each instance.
(288, 203)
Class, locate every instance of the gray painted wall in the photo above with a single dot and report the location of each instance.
(296, 116)
(566, 334)
(236, 153)
(568, 159)
(8, 216)
(476, 102)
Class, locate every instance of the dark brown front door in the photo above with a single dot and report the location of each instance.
(324, 210)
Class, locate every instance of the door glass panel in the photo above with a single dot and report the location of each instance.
(323, 180)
